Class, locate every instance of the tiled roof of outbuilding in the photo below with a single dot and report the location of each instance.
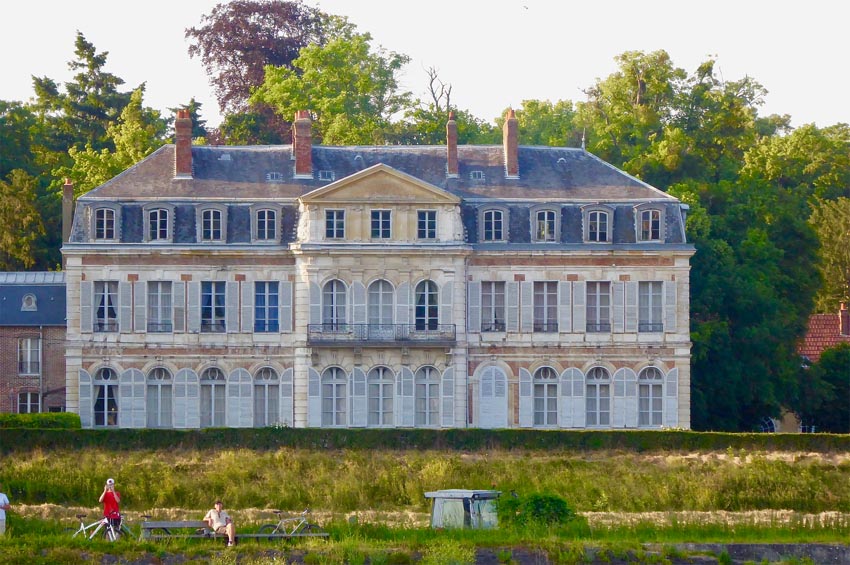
(823, 332)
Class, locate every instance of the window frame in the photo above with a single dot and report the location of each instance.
(334, 224)
(650, 209)
(269, 321)
(597, 379)
(334, 305)
(148, 235)
(214, 314)
(159, 387)
(380, 305)
(427, 405)
(426, 315)
(29, 355)
(202, 233)
(105, 382)
(426, 225)
(590, 218)
(650, 398)
(545, 379)
(213, 391)
(262, 236)
(493, 231)
(29, 399)
(160, 316)
(267, 397)
(114, 225)
(598, 315)
(555, 225)
(334, 406)
(383, 230)
(651, 307)
(380, 400)
(493, 313)
(545, 312)
(106, 298)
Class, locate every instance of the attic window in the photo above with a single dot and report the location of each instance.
(562, 161)
(476, 175)
(274, 176)
(29, 303)
(326, 175)
(224, 157)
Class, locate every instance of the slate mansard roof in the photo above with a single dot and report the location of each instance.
(46, 306)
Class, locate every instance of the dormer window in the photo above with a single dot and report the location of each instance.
(158, 222)
(274, 176)
(545, 226)
(598, 223)
(29, 303)
(104, 224)
(266, 225)
(493, 225)
(650, 222)
(326, 175)
(212, 225)
(476, 175)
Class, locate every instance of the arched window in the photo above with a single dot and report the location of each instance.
(334, 398)
(104, 224)
(492, 228)
(159, 398)
(427, 311)
(106, 397)
(545, 397)
(266, 225)
(650, 225)
(266, 397)
(598, 397)
(158, 224)
(545, 224)
(212, 398)
(333, 306)
(427, 397)
(212, 225)
(380, 303)
(650, 400)
(379, 383)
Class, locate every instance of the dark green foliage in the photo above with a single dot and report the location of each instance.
(536, 508)
(825, 402)
(45, 420)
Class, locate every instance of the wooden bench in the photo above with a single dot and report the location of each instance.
(163, 529)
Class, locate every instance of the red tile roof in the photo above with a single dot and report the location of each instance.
(824, 332)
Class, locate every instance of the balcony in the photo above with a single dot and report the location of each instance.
(377, 335)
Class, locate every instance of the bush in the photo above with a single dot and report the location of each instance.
(535, 509)
(63, 420)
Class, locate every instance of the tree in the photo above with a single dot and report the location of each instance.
(542, 122)
(826, 398)
(831, 221)
(199, 125)
(17, 124)
(20, 221)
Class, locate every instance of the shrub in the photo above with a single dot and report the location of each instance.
(63, 420)
(535, 509)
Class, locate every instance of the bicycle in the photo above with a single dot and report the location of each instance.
(297, 525)
(106, 527)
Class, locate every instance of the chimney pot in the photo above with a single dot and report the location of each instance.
(183, 145)
(67, 208)
(302, 144)
(451, 147)
(510, 145)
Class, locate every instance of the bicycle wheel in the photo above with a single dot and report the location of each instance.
(312, 529)
(268, 529)
(110, 534)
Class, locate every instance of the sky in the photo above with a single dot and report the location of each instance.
(494, 53)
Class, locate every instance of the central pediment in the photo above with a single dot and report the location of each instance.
(380, 184)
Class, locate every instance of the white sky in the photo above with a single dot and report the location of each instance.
(494, 53)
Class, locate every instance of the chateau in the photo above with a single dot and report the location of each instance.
(449, 286)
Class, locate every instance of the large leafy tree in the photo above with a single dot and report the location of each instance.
(826, 389)
(831, 221)
(20, 221)
(17, 128)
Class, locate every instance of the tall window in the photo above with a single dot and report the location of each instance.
(266, 225)
(597, 226)
(159, 398)
(212, 306)
(427, 311)
(104, 223)
(544, 226)
(211, 225)
(598, 397)
(598, 306)
(212, 398)
(381, 227)
(105, 398)
(333, 306)
(545, 397)
(106, 306)
(649, 306)
(29, 355)
(379, 383)
(426, 224)
(650, 225)
(159, 306)
(266, 312)
(546, 306)
(29, 402)
(335, 224)
(334, 398)
(266, 397)
(493, 225)
(427, 397)
(493, 306)
(649, 397)
(157, 224)
(380, 310)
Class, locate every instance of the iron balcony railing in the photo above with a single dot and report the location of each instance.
(365, 334)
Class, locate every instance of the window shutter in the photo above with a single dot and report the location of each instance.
(446, 303)
(631, 306)
(248, 290)
(493, 406)
(359, 405)
(526, 289)
(285, 301)
(474, 307)
(671, 399)
(358, 303)
(86, 290)
(565, 309)
(512, 300)
(405, 399)
(131, 399)
(624, 399)
(670, 306)
(178, 404)
(231, 307)
(85, 407)
(572, 395)
(187, 400)
(402, 312)
(125, 307)
(240, 401)
(447, 390)
(286, 399)
(314, 397)
(526, 399)
(140, 300)
(618, 323)
(178, 308)
(315, 307)
(579, 323)
(194, 301)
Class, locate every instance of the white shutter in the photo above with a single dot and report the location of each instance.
(670, 306)
(565, 309)
(446, 302)
(493, 405)
(526, 399)
(194, 301)
(231, 307)
(131, 399)
(405, 400)
(179, 398)
(526, 290)
(287, 417)
(624, 408)
(512, 300)
(248, 290)
(631, 307)
(579, 312)
(314, 397)
(85, 391)
(402, 311)
(140, 299)
(359, 403)
(240, 399)
(315, 304)
(618, 323)
(285, 302)
(86, 290)
(187, 400)
(631, 414)
(178, 308)
(473, 323)
(671, 399)
(572, 397)
(447, 391)
(358, 303)
(125, 307)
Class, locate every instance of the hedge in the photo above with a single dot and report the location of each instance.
(64, 420)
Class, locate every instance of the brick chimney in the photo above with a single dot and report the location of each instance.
(302, 145)
(183, 142)
(67, 209)
(451, 147)
(509, 143)
(844, 319)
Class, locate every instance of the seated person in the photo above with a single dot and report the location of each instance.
(219, 521)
